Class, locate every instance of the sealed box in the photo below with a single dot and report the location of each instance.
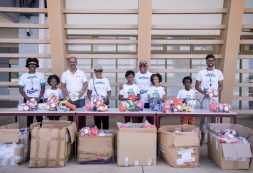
(136, 146)
(179, 145)
(229, 155)
(95, 149)
(51, 143)
(14, 144)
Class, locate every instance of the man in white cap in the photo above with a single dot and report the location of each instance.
(142, 79)
(74, 84)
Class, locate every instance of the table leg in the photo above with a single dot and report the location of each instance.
(154, 120)
(158, 121)
(76, 119)
(235, 119)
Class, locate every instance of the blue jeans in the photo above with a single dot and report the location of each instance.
(203, 120)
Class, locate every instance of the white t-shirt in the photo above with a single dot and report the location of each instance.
(156, 92)
(129, 89)
(209, 79)
(74, 82)
(31, 83)
(143, 82)
(102, 87)
(184, 94)
(57, 92)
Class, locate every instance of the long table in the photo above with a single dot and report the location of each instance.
(115, 112)
(112, 112)
(15, 112)
(197, 113)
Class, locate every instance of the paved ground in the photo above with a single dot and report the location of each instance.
(206, 165)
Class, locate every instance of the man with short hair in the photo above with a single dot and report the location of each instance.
(74, 84)
(142, 79)
(208, 80)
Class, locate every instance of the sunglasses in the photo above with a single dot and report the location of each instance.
(98, 71)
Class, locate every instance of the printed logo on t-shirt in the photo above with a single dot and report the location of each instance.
(210, 75)
(155, 93)
(143, 77)
(100, 82)
(31, 77)
(32, 91)
(130, 92)
(188, 96)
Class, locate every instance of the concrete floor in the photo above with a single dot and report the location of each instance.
(206, 165)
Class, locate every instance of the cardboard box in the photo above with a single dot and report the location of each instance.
(95, 149)
(179, 149)
(51, 144)
(136, 146)
(229, 156)
(14, 144)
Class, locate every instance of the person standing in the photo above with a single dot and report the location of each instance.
(156, 92)
(74, 84)
(187, 94)
(99, 86)
(142, 80)
(208, 80)
(53, 91)
(32, 85)
(129, 89)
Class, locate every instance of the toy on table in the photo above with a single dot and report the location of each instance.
(155, 104)
(30, 105)
(52, 103)
(99, 105)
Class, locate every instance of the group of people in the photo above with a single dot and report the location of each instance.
(143, 84)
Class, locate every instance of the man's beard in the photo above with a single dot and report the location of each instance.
(72, 65)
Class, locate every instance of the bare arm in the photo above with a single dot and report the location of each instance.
(84, 88)
(41, 92)
(21, 91)
(121, 98)
(197, 87)
(220, 87)
(138, 97)
(89, 94)
(64, 89)
(109, 94)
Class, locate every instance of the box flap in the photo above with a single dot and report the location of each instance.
(190, 133)
(9, 135)
(165, 139)
(72, 132)
(33, 125)
(55, 123)
(138, 130)
(10, 126)
(236, 151)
